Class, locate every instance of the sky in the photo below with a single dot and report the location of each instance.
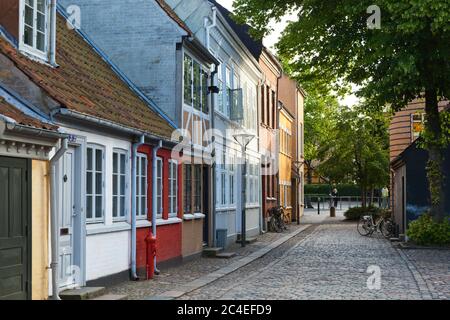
(270, 41)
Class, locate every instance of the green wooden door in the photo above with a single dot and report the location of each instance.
(14, 226)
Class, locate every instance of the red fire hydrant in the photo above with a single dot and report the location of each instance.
(151, 254)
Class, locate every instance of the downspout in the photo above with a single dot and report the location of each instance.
(154, 192)
(214, 190)
(133, 207)
(208, 26)
(54, 219)
(53, 34)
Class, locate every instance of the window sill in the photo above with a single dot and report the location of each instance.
(252, 206)
(162, 222)
(224, 209)
(195, 216)
(94, 229)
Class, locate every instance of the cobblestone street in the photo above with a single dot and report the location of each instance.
(328, 260)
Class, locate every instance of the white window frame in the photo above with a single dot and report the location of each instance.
(139, 196)
(232, 180)
(94, 194)
(173, 192)
(160, 190)
(203, 70)
(116, 177)
(33, 50)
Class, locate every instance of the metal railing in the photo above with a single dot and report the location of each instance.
(324, 202)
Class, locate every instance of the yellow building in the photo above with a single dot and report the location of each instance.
(25, 146)
(286, 121)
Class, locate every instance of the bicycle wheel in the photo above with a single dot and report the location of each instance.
(364, 227)
(272, 224)
(387, 228)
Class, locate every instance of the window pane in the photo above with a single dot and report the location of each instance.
(197, 86)
(28, 36)
(143, 185)
(98, 206)
(143, 206)
(41, 5)
(205, 107)
(187, 80)
(29, 16)
(89, 207)
(98, 159)
(122, 163)
(89, 183)
(122, 185)
(122, 207)
(115, 208)
(143, 165)
(115, 162)
(40, 22)
(98, 183)
(115, 185)
(89, 158)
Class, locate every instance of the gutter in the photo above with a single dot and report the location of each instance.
(111, 125)
(154, 193)
(54, 219)
(133, 207)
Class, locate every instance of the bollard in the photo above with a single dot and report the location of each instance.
(333, 212)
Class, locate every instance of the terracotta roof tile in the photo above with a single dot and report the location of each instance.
(85, 83)
(21, 118)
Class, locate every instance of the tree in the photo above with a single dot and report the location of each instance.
(358, 151)
(320, 120)
(407, 58)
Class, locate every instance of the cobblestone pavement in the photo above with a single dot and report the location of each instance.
(434, 267)
(192, 270)
(330, 262)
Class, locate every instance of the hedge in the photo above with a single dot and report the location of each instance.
(344, 190)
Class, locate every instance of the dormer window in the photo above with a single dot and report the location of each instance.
(34, 27)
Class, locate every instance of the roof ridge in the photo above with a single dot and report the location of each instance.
(153, 106)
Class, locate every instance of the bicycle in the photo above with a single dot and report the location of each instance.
(367, 226)
(277, 220)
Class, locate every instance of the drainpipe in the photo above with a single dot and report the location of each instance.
(53, 33)
(133, 207)
(54, 219)
(214, 190)
(208, 26)
(154, 193)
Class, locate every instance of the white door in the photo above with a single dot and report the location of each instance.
(67, 272)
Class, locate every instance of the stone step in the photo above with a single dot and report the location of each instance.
(248, 240)
(211, 252)
(111, 297)
(86, 293)
(226, 255)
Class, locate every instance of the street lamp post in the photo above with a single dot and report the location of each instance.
(243, 139)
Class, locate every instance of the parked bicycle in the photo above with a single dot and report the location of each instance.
(368, 226)
(277, 219)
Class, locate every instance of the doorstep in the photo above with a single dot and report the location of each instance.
(181, 290)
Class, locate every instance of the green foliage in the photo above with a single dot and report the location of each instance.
(358, 212)
(328, 43)
(344, 190)
(358, 150)
(425, 231)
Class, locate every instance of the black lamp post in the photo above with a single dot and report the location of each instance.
(243, 139)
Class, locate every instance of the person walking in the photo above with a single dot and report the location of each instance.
(334, 197)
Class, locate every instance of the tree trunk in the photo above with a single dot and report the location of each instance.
(363, 196)
(435, 164)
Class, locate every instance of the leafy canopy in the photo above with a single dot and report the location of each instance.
(330, 41)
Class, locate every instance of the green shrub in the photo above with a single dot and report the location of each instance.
(344, 190)
(357, 212)
(425, 231)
